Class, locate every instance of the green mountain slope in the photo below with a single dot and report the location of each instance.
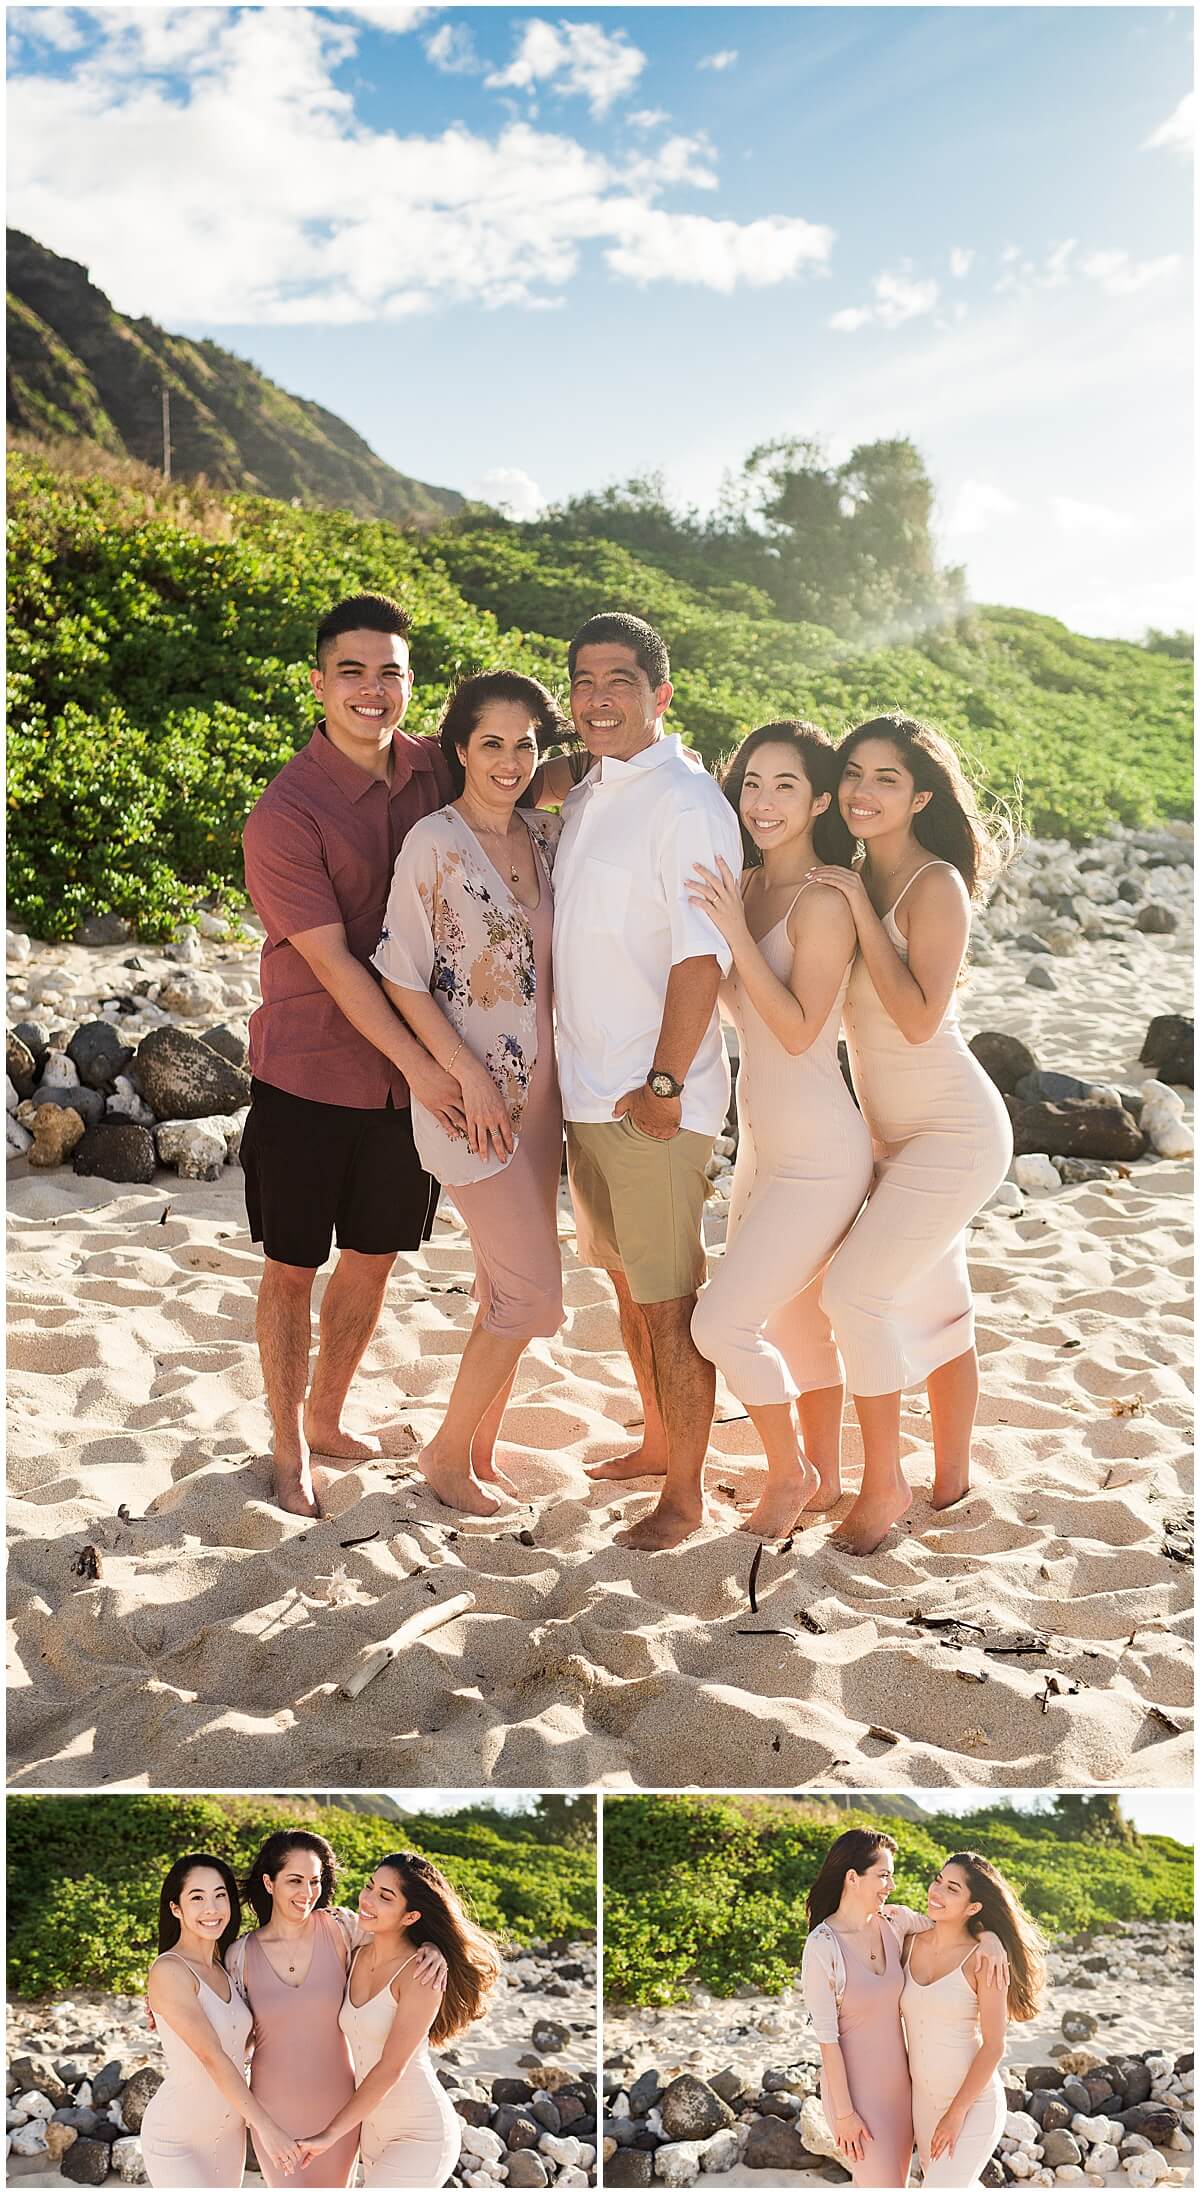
(160, 640)
(77, 367)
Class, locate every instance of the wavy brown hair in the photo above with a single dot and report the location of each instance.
(833, 842)
(952, 824)
(1001, 1910)
(270, 1860)
(473, 1964)
(850, 1853)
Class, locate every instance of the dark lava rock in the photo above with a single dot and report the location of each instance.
(88, 1103)
(182, 1079)
(629, 2167)
(624, 2131)
(1044, 2075)
(136, 2093)
(1154, 2121)
(993, 2173)
(472, 2109)
(36, 1038)
(777, 2105)
(571, 2110)
(1055, 2115)
(1130, 890)
(644, 2093)
(98, 1053)
(525, 2168)
(1076, 2095)
(552, 1988)
(1005, 1059)
(515, 2127)
(1033, 1087)
(1132, 2080)
(728, 2084)
(1041, 977)
(1078, 1127)
(1101, 2090)
(511, 2091)
(117, 1151)
(1061, 2148)
(548, 2037)
(39, 2074)
(545, 2110)
(1169, 1048)
(775, 2146)
(648, 2139)
(1154, 920)
(574, 1969)
(691, 2111)
(1016, 2099)
(20, 1065)
(104, 929)
(1186, 2062)
(233, 1047)
(86, 2161)
(1027, 940)
(107, 2085)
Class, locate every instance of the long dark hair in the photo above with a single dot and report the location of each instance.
(1001, 1910)
(169, 1929)
(833, 843)
(853, 1852)
(465, 705)
(472, 1957)
(952, 824)
(271, 1858)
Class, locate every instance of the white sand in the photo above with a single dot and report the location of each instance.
(206, 1656)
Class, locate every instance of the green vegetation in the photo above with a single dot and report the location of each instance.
(84, 1873)
(712, 1890)
(160, 639)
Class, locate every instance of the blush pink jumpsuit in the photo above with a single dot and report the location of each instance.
(872, 2045)
(301, 2071)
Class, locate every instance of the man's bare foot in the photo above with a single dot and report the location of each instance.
(870, 1520)
(456, 1484)
(781, 1504)
(640, 1462)
(951, 1485)
(336, 1446)
(292, 1488)
(663, 1526)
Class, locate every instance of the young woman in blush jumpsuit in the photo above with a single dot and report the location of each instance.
(194, 2128)
(852, 1978)
(292, 1972)
(897, 1291)
(410, 2134)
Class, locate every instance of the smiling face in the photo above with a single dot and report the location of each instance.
(877, 794)
(203, 1907)
(873, 1887)
(382, 1904)
(778, 804)
(501, 755)
(949, 1898)
(365, 682)
(296, 1889)
(614, 707)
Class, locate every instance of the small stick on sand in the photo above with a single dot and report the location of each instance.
(374, 1659)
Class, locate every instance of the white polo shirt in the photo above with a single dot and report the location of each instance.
(632, 834)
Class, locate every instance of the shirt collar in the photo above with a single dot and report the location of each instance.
(409, 754)
(665, 749)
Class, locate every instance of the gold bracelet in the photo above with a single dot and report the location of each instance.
(454, 1054)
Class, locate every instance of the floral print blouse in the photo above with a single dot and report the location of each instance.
(453, 927)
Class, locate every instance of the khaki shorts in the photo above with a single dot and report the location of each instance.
(638, 1205)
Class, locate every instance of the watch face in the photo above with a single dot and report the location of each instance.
(663, 1085)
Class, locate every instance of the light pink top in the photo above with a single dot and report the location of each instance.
(823, 1966)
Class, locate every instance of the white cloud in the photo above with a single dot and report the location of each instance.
(1178, 132)
(57, 27)
(1089, 521)
(850, 320)
(452, 49)
(509, 489)
(722, 60)
(960, 262)
(647, 118)
(898, 297)
(395, 20)
(1121, 276)
(576, 59)
(975, 506)
(253, 191)
(717, 255)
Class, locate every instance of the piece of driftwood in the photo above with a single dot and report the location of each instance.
(88, 1565)
(753, 1577)
(374, 1659)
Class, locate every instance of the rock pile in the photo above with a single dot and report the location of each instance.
(1054, 897)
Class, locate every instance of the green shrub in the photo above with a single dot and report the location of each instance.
(84, 1874)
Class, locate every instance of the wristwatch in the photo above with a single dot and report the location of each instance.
(662, 1084)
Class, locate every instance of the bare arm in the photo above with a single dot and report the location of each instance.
(993, 2028)
(939, 921)
(556, 778)
(849, 2130)
(822, 936)
(479, 1096)
(687, 1011)
(416, 2009)
(173, 1992)
(365, 1007)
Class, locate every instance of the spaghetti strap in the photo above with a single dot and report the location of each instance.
(912, 880)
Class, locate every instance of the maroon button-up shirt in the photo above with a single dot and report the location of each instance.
(320, 846)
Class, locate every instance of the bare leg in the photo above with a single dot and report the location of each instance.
(686, 1386)
(649, 1459)
(349, 1316)
(953, 1400)
(486, 1371)
(791, 1479)
(283, 1323)
(820, 1414)
(885, 1495)
(487, 1432)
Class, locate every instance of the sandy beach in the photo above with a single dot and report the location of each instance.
(209, 1651)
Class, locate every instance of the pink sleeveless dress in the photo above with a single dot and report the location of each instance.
(301, 2070)
(872, 2046)
(413, 2137)
(190, 2136)
(941, 2027)
(803, 1168)
(897, 1291)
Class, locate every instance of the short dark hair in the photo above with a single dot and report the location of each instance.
(620, 628)
(466, 705)
(362, 613)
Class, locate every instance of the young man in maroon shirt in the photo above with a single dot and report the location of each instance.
(328, 1146)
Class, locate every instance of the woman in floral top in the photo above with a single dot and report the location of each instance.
(465, 957)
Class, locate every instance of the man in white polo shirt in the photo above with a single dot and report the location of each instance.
(641, 1061)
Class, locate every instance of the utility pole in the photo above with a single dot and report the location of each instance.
(166, 433)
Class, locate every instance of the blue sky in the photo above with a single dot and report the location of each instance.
(530, 252)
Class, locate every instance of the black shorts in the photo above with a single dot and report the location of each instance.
(315, 1171)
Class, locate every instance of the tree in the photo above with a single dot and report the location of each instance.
(1092, 1819)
